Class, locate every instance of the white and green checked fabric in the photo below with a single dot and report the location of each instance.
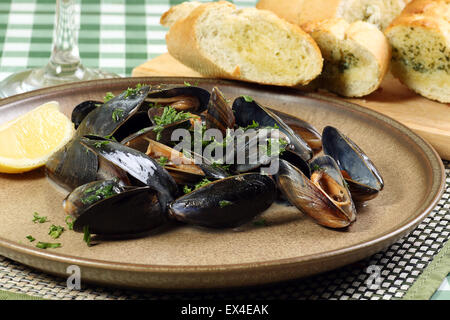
(115, 35)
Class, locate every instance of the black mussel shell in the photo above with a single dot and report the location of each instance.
(130, 212)
(137, 164)
(303, 129)
(362, 176)
(82, 110)
(247, 111)
(136, 122)
(225, 203)
(309, 199)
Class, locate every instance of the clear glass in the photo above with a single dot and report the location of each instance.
(64, 65)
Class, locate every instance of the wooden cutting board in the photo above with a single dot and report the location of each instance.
(428, 118)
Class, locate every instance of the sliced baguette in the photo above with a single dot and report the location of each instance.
(356, 56)
(378, 12)
(218, 40)
(420, 39)
(178, 12)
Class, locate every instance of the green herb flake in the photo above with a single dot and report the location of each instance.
(316, 167)
(130, 91)
(187, 84)
(45, 245)
(99, 144)
(253, 125)
(30, 238)
(117, 114)
(55, 231)
(170, 115)
(224, 203)
(247, 98)
(87, 235)
(202, 183)
(37, 218)
(69, 222)
(108, 96)
(260, 223)
(163, 161)
(186, 189)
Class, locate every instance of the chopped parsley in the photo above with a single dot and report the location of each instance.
(260, 223)
(69, 222)
(202, 183)
(163, 161)
(131, 91)
(117, 114)
(98, 194)
(99, 144)
(186, 189)
(30, 238)
(316, 167)
(38, 218)
(224, 203)
(87, 236)
(108, 96)
(187, 84)
(45, 245)
(247, 98)
(170, 115)
(55, 231)
(253, 125)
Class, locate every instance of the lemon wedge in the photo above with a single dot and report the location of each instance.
(29, 140)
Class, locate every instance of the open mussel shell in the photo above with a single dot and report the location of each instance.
(297, 162)
(182, 98)
(82, 110)
(327, 177)
(107, 118)
(225, 203)
(219, 114)
(309, 199)
(136, 122)
(137, 164)
(247, 111)
(303, 129)
(130, 211)
(363, 178)
(74, 165)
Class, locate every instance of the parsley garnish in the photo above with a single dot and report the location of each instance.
(202, 183)
(87, 236)
(316, 167)
(39, 219)
(69, 223)
(45, 245)
(55, 231)
(187, 84)
(30, 238)
(170, 115)
(100, 193)
(163, 161)
(224, 203)
(247, 98)
(253, 125)
(260, 223)
(186, 189)
(131, 91)
(117, 114)
(99, 144)
(108, 96)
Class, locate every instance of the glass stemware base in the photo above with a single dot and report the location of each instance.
(33, 79)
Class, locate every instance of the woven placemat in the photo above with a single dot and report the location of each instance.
(386, 275)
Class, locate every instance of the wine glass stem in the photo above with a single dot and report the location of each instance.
(65, 57)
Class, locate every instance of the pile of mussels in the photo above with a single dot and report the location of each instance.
(120, 187)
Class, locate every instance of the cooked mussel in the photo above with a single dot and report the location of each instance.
(247, 111)
(363, 178)
(135, 163)
(327, 176)
(308, 198)
(107, 208)
(303, 129)
(219, 114)
(225, 203)
(82, 110)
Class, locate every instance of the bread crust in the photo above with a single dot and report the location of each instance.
(182, 44)
(365, 35)
(431, 16)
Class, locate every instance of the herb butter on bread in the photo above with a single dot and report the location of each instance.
(356, 56)
(218, 40)
(377, 12)
(420, 39)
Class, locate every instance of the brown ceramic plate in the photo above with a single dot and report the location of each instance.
(290, 246)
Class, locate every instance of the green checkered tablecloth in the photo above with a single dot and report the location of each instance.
(118, 35)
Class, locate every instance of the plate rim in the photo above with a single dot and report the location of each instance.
(437, 188)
